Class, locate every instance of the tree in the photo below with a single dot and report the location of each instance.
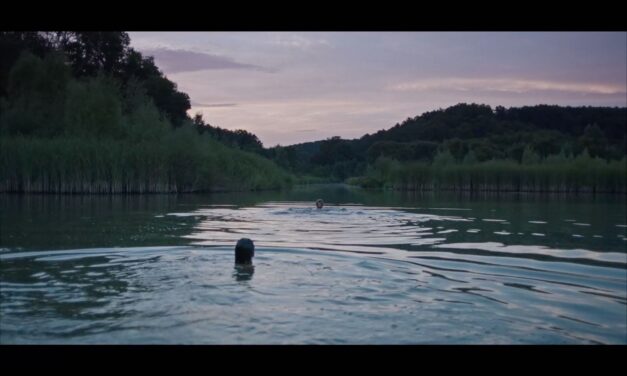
(92, 52)
(444, 158)
(139, 67)
(36, 91)
(93, 107)
(500, 112)
(333, 150)
(547, 142)
(593, 140)
(457, 147)
(12, 45)
(168, 99)
(470, 158)
(530, 156)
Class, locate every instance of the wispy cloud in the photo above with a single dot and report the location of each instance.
(213, 105)
(177, 61)
(298, 41)
(349, 84)
(507, 85)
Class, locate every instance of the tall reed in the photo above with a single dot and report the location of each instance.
(568, 175)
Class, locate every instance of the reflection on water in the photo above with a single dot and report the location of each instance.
(370, 267)
(244, 272)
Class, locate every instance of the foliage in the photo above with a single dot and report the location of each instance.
(470, 133)
(89, 54)
(82, 112)
(181, 161)
(557, 173)
(88, 100)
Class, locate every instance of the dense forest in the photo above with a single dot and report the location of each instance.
(475, 147)
(85, 112)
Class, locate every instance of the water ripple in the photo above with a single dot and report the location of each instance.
(343, 274)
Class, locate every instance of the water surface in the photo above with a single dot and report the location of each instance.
(371, 267)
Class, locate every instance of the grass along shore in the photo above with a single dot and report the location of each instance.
(181, 162)
(554, 174)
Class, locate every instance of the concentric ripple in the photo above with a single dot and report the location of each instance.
(348, 273)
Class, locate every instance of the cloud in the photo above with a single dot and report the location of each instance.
(177, 61)
(507, 85)
(196, 104)
(349, 84)
(298, 41)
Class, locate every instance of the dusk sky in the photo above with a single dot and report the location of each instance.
(295, 87)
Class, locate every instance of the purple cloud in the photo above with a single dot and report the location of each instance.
(178, 61)
(352, 83)
(196, 104)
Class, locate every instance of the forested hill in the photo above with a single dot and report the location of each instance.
(90, 56)
(471, 131)
(85, 112)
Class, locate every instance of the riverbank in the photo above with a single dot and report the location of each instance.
(179, 162)
(575, 175)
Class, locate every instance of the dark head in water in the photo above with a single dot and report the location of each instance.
(244, 252)
(319, 203)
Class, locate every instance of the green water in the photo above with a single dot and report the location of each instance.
(370, 267)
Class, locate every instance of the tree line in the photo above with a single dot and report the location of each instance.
(85, 112)
(470, 134)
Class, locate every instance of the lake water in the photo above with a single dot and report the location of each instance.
(370, 267)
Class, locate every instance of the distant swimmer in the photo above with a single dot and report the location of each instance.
(244, 252)
(319, 203)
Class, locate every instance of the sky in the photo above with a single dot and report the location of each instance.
(293, 87)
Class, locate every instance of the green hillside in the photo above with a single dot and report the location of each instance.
(84, 112)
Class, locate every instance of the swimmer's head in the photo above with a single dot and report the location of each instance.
(244, 252)
(319, 203)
